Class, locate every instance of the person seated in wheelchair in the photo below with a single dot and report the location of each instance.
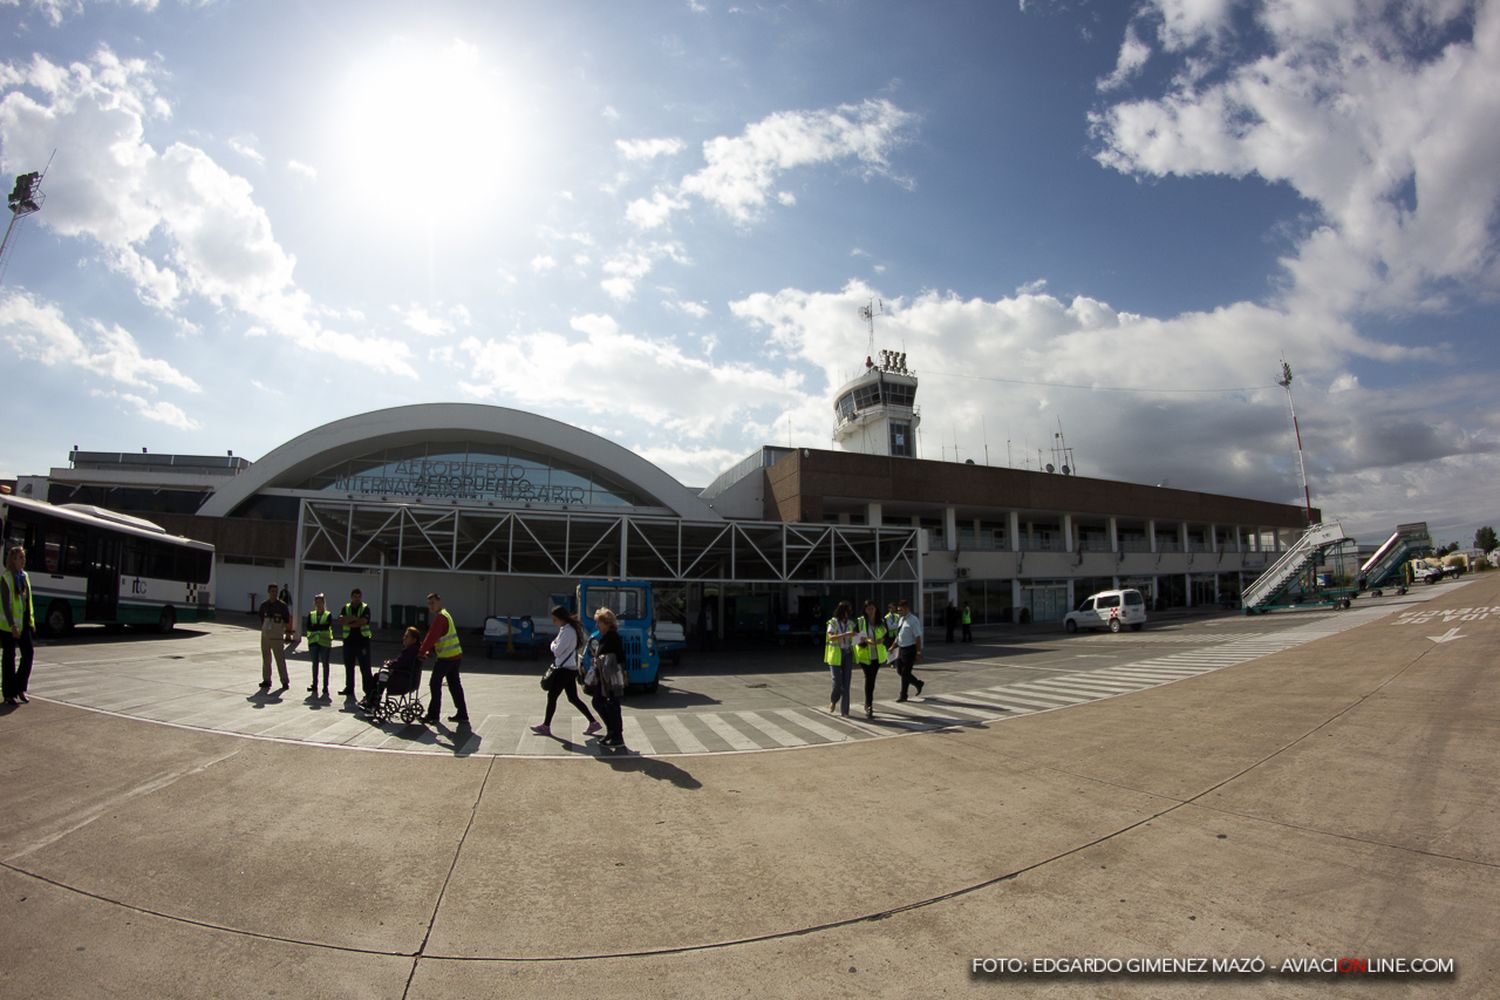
(400, 675)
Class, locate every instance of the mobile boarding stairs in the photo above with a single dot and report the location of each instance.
(1386, 568)
(1273, 588)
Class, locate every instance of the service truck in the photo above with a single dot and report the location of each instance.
(631, 601)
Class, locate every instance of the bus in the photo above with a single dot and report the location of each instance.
(96, 566)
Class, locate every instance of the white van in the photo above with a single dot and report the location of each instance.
(1111, 609)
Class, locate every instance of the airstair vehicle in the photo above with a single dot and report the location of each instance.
(1273, 587)
(1384, 568)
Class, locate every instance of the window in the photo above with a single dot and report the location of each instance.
(1109, 601)
(897, 394)
(52, 551)
(1133, 598)
(625, 602)
(901, 442)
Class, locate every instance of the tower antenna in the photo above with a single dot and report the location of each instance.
(868, 312)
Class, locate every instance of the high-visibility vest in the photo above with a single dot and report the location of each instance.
(968, 617)
(833, 653)
(22, 615)
(447, 647)
(320, 631)
(877, 646)
(892, 622)
(360, 611)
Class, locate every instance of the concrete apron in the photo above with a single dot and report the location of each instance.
(1336, 798)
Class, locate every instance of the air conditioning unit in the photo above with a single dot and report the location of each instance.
(963, 572)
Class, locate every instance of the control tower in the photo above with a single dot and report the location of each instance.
(875, 413)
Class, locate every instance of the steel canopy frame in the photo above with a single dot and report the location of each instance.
(360, 535)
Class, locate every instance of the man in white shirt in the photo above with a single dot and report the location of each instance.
(908, 648)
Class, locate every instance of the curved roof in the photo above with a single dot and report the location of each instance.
(309, 453)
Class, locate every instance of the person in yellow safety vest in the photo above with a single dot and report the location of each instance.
(892, 622)
(355, 618)
(837, 649)
(442, 640)
(870, 651)
(968, 622)
(19, 626)
(319, 631)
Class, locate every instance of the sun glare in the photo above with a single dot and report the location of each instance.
(426, 128)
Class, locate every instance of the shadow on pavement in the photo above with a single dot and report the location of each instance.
(625, 760)
(463, 741)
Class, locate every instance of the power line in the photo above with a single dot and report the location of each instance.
(1094, 388)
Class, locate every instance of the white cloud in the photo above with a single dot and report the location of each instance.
(649, 385)
(1187, 22)
(38, 331)
(433, 324)
(627, 267)
(697, 310)
(543, 263)
(1007, 369)
(245, 146)
(1133, 55)
(158, 410)
(1393, 140)
(156, 285)
(57, 11)
(302, 169)
(115, 188)
(647, 149)
(740, 173)
(653, 212)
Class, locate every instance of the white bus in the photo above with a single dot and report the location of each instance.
(93, 565)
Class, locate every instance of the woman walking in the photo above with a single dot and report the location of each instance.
(565, 652)
(838, 655)
(869, 651)
(608, 670)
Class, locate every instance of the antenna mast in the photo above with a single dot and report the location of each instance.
(868, 312)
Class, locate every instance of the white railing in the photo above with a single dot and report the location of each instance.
(1314, 541)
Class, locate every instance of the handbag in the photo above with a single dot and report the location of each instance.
(548, 677)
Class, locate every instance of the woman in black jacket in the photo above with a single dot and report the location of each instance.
(608, 668)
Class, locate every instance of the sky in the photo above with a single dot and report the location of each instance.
(659, 220)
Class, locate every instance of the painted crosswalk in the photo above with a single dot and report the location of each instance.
(195, 703)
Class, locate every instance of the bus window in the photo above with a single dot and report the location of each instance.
(74, 563)
(52, 552)
(130, 558)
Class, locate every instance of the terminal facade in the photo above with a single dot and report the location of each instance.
(503, 511)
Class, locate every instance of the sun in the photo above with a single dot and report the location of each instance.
(426, 128)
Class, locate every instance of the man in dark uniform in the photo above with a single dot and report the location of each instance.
(355, 619)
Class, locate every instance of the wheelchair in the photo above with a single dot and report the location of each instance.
(400, 696)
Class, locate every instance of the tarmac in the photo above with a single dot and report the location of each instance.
(1337, 797)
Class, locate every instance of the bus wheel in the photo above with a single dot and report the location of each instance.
(59, 620)
(167, 621)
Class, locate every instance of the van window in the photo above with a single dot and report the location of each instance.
(1134, 597)
(1087, 604)
(1109, 601)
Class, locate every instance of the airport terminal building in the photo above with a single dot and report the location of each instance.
(501, 510)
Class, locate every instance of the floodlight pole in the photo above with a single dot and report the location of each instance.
(25, 199)
(1286, 383)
